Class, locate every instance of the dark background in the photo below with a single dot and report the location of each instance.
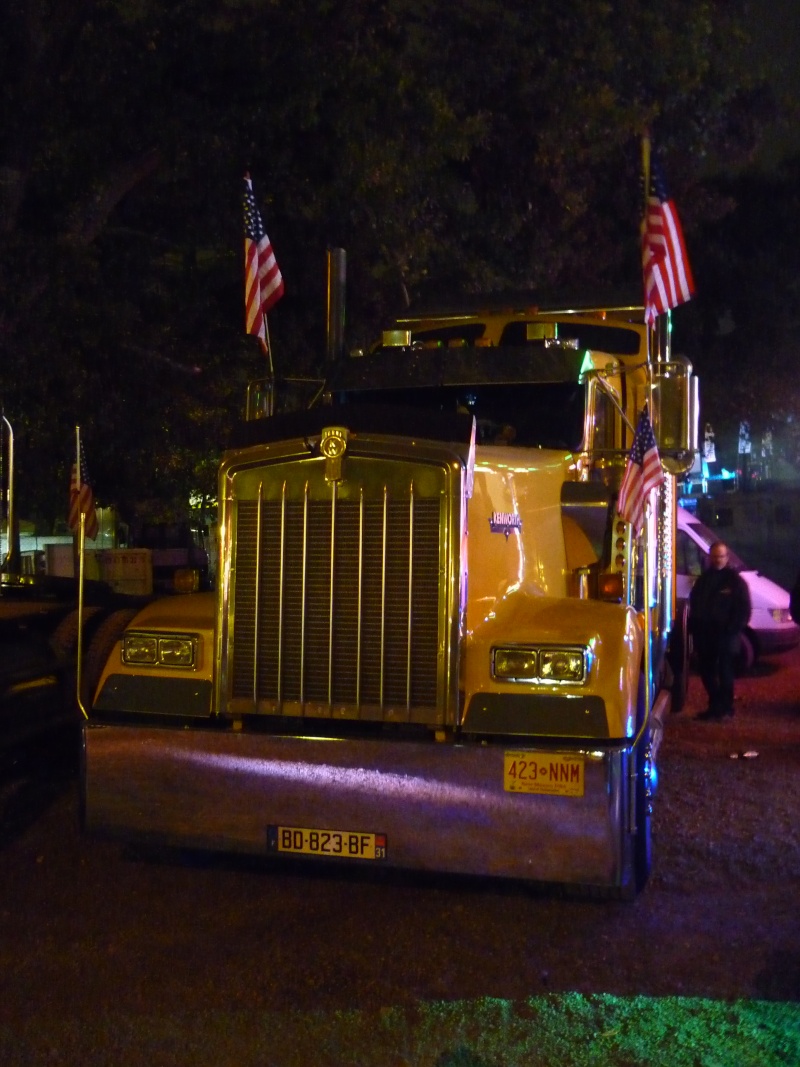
(484, 147)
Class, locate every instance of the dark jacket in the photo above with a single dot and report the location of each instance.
(719, 603)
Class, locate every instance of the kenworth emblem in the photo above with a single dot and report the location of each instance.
(504, 522)
(333, 445)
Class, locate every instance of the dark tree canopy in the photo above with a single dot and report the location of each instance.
(472, 147)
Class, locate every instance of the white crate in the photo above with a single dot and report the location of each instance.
(60, 562)
(127, 570)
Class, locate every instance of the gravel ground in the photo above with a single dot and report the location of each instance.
(109, 957)
(727, 828)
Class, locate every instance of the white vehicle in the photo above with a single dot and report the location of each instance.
(771, 628)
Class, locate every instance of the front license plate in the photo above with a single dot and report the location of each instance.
(543, 772)
(341, 844)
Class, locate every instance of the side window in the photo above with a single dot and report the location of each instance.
(691, 557)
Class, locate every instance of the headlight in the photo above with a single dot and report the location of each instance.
(562, 664)
(159, 650)
(138, 648)
(547, 664)
(516, 663)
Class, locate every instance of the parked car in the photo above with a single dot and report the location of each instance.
(771, 627)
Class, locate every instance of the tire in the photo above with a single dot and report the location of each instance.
(679, 656)
(100, 647)
(640, 854)
(746, 656)
(643, 840)
(64, 639)
(63, 642)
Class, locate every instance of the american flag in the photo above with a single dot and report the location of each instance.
(668, 279)
(642, 474)
(81, 499)
(263, 282)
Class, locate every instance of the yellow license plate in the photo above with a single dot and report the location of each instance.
(553, 773)
(338, 844)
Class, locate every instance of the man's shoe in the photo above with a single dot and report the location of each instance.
(709, 715)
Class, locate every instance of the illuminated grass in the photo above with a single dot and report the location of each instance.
(570, 1031)
(567, 1030)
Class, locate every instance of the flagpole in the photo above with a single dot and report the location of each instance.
(648, 622)
(266, 346)
(646, 148)
(76, 533)
(646, 548)
(651, 337)
(80, 578)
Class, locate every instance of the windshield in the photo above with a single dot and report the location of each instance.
(540, 415)
(711, 537)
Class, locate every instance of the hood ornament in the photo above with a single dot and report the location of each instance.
(333, 445)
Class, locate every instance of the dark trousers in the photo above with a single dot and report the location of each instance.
(715, 657)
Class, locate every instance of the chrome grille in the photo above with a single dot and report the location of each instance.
(338, 607)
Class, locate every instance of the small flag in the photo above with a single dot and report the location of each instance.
(668, 279)
(263, 282)
(642, 474)
(81, 500)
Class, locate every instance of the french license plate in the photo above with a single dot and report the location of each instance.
(341, 844)
(554, 774)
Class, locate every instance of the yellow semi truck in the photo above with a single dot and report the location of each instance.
(428, 646)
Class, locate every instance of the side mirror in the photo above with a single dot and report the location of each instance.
(676, 410)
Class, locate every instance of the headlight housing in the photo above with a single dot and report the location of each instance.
(160, 650)
(542, 664)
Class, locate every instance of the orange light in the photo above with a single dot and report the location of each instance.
(186, 580)
(610, 587)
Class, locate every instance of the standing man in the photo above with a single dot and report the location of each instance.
(719, 609)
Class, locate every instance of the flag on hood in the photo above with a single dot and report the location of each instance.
(263, 282)
(81, 499)
(668, 279)
(642, 474)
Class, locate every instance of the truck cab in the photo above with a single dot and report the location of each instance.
(433, 633)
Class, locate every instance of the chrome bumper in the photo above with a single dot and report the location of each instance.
(442, 806)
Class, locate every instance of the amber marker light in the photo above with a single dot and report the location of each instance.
(609, 587)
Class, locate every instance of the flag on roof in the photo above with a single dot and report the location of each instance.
(642, 474)
(668, 279)
(81, 499)
(263, 282)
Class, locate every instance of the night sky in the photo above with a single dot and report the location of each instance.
(775, 25)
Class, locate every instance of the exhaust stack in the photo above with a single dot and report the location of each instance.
(337, 276)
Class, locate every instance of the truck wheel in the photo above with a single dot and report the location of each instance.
(747, 655)
(679, 655)
(643, 844)
(63, 642)
(100, 647)
(64, 639)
